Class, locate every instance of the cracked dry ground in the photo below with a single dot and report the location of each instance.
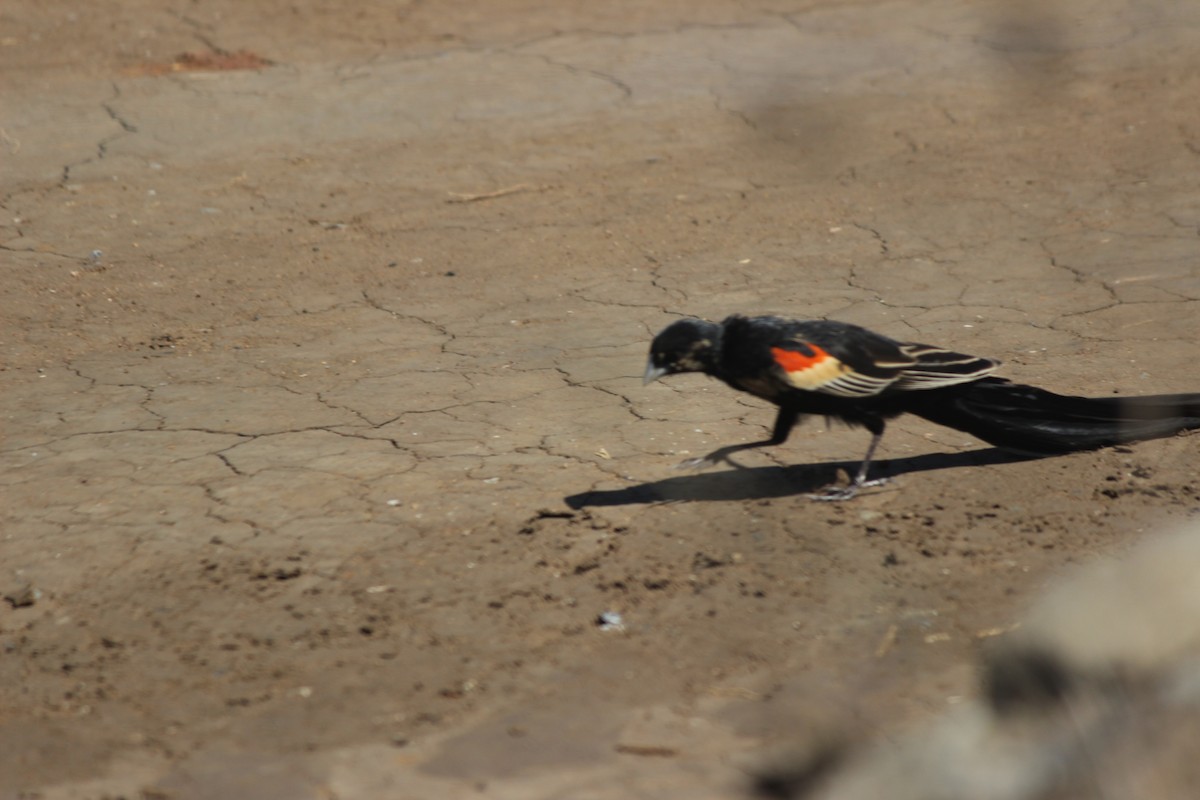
(286, 469)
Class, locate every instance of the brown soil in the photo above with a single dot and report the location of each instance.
(324, 444)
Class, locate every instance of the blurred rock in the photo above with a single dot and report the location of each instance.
(1096, 694)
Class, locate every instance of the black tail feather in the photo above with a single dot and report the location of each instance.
(1034, 420)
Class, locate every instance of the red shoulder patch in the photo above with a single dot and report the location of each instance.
(793, 361)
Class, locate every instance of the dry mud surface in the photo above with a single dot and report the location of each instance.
(323, 437)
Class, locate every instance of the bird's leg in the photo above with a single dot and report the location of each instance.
(860, 480)
(785, 420)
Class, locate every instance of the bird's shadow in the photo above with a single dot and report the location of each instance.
(757, 483)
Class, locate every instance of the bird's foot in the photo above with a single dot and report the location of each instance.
(722, 454)
(835, 494)
(703, 462)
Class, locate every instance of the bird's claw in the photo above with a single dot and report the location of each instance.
(703, 462)
(835, 494)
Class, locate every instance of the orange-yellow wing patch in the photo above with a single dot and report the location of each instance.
(821, 372)
(809, 372)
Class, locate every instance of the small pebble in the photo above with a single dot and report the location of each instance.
(610, 621)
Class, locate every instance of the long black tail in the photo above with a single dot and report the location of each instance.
(1034, 420)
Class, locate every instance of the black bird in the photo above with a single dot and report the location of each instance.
(864, 379)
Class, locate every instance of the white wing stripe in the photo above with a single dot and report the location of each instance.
(855, 385)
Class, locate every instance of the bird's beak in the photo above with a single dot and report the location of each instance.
(653, 373)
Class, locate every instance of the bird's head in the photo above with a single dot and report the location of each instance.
(688, 345)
